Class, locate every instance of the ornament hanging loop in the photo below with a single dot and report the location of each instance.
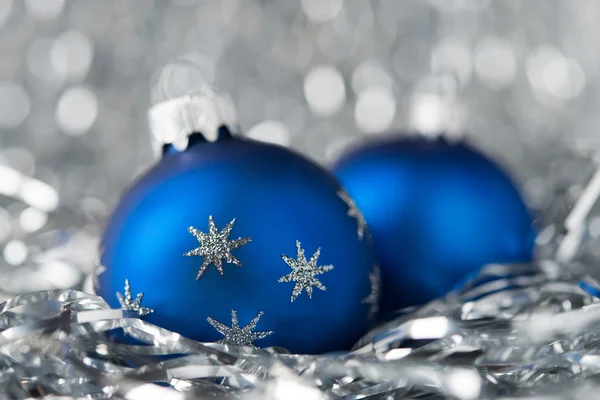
(205, 112)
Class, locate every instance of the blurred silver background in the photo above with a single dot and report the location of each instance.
(519, 78)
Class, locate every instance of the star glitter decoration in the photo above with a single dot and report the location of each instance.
(237, 336)
(99, 269)
(216, 246)
(304, 272)
(127, 302)
(373, 298)
(354, 212)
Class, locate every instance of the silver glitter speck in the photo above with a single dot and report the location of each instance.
(216, 246)
(354, 212)
(237, 336)
(127, 302)
(304, 272)
(373, 298)
(99, 269)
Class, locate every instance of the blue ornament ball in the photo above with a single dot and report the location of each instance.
(437, 212)
(242, 242)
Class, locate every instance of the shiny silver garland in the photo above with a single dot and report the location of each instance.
(512, 332)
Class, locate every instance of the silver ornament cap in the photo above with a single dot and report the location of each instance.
(204, 112)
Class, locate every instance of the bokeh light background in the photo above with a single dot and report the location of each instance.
(519, 77)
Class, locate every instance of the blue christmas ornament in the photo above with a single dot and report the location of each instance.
(238, 241)
(437, 211)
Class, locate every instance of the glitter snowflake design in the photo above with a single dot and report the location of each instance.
(354, 212)
(304, 272)
(216, 246)
(99, 269)
(237, 336)
(373, 298)
(127, 302)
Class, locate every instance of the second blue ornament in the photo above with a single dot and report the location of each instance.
(238, 241)
(437, 211)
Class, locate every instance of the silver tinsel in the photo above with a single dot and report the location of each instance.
(512, 332)
(519, 78)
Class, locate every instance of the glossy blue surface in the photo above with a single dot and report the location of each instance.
(276, 197)
(437, 212)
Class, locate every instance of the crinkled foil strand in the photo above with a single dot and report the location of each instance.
(545, 342)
